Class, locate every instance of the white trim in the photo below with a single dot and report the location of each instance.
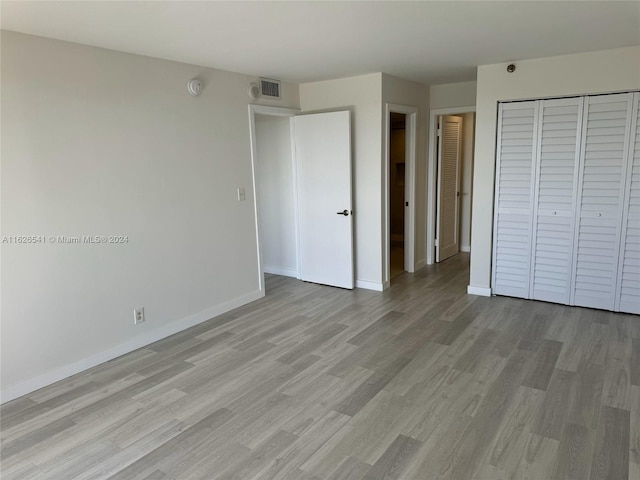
(411, 126)
(278, 112)
(140, 341)
(465, 248)
(431, 175)
(378, 287)
(496, 196)
(275, 111)
(482, 291)
(280, 271)
(294, 175)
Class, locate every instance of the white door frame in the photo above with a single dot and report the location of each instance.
(411, 124)
(277, 112)
(431, 174)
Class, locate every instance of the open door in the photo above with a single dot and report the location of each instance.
(323, 181)
(449, 134)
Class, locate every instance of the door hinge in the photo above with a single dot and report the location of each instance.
(439, 132)
(436, 242)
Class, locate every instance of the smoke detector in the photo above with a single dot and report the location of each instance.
(194, 87)
(253, 90)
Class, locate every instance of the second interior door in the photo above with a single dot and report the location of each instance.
(323, 181)
(450, 135)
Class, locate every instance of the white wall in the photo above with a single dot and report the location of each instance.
(274, 191)
(365, 96)
(361, 95)
(466, 179)
(450, 95)
(98, 142)
(593, 72)
(411, 94)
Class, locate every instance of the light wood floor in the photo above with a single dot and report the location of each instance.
(420, 382)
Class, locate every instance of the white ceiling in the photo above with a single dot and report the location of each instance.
(428, 42)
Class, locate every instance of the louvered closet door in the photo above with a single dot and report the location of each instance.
(605, 139)
(448, 187)
(555, 193)
(517, 126)
(628, 299)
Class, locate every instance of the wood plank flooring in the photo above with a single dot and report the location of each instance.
(420, 382)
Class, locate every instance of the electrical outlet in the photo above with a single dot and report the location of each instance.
(138, 315)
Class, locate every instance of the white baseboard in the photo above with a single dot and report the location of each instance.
(421, 263)
(465, 248)
(140, 341)
(280, 271)
(482, 291)
(378, 287)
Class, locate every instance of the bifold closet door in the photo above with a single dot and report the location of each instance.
(605, 142)
(628, 297)
(517, 130)
(555, 190)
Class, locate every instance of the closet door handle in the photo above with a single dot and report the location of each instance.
(344, 212)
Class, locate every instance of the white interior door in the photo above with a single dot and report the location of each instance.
(323, 180)
(450, 133)
(513, 212)
(628, 291)
(605, 139)
(555, 193)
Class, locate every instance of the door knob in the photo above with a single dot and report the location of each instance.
(344, 212)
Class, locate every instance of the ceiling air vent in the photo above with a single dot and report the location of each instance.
(270, 88)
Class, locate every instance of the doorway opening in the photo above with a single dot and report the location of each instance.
(301, 178)
(275, 193)
(450, 182)
(397, 182)
(274, 190)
